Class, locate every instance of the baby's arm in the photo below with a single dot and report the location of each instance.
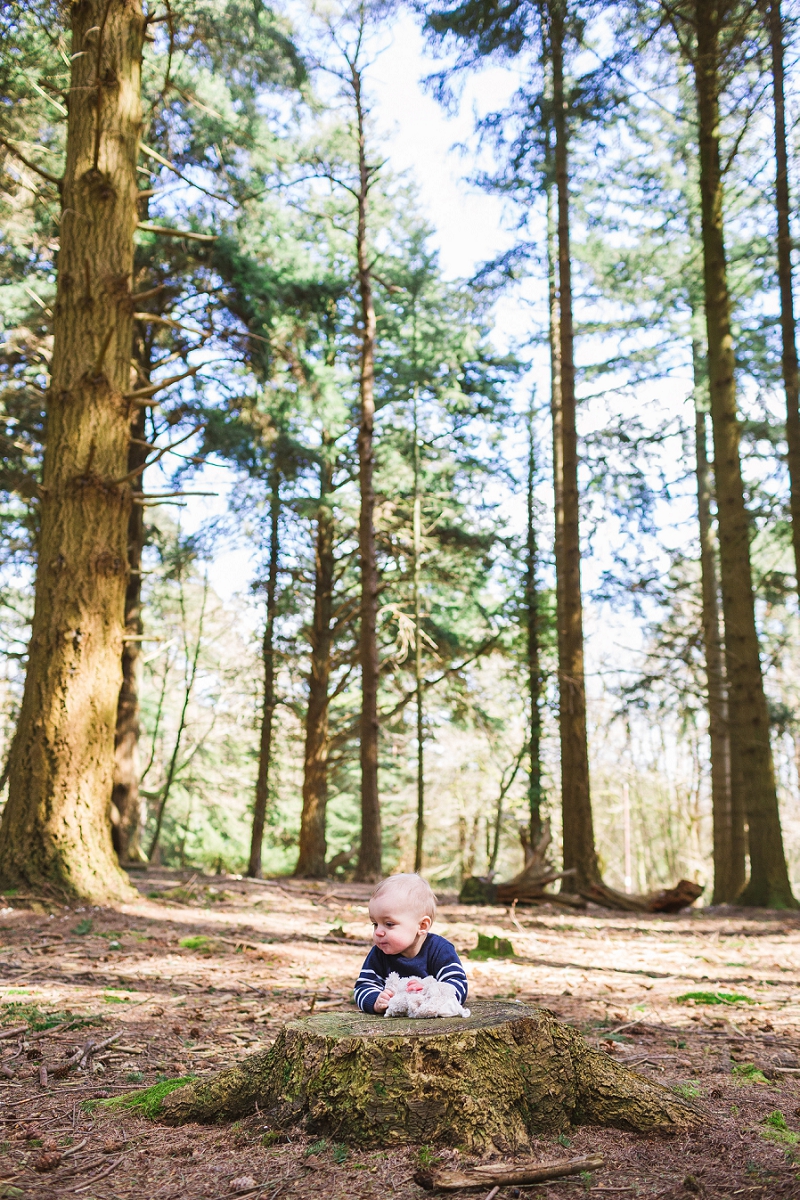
(448, 969)
(370, 994)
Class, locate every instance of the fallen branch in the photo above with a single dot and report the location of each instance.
(82, 1056)
(43, 1033)
(502, 1174)
(96, 1178)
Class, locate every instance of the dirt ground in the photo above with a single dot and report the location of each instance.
(268, 950)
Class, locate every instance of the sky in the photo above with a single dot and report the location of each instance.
(469, 225)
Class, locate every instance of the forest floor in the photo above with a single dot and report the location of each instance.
(202, 971)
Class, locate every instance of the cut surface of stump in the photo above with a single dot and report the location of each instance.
(487, 1081)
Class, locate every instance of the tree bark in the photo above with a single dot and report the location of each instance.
(791, 381)
(728, 820)
(368, 868)
(126, 804)
(485, 1082)
(268, 659)
(55, 832)
(533, 648)
(578, 829)
(751, 752)
(418, 677)
(311, 863)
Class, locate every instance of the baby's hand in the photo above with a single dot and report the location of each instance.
(382, 1003)
(414, 985)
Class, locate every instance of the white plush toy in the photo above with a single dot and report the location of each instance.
(435, 1000)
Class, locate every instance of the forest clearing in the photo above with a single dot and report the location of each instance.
(260, 953)
(372, 524)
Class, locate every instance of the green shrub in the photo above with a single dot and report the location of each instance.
(316, 1148)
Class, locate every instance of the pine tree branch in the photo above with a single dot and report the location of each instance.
(163, 231)
(144, 394)
(159, 158)
(161, 451)
(57, 180)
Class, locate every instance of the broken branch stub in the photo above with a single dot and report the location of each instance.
(488, 1081)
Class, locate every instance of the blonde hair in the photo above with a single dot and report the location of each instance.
(414, 890)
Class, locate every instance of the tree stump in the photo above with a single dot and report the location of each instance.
(487, 1081)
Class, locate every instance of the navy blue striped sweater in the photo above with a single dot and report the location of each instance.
(437, 957)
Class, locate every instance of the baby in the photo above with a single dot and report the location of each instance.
(402, 910)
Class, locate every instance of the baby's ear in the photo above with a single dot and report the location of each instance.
(426, 923)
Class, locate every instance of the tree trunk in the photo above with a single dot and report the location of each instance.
(268, 659)
(126, 804)
(729, 840)
(55, 832)
(751, 752)
(190, 674)
(578, 830)
(533, 648)
(417, 534)
(368, 868)
(485, 1082)
(313, 847)
(789, 344)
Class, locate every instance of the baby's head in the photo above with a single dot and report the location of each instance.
(402, 909)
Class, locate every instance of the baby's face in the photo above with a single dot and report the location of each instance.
(396, 930)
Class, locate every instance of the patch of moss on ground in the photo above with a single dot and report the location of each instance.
(15, 1012)
(197, 941)
(714, 998)
(748, 1073)
(492, 947)
(776, 1130)
(146, 1101)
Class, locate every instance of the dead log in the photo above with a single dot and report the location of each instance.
(669, 900)
(526, 887)
(486, 1082)
(503, 1174)
(672, 900)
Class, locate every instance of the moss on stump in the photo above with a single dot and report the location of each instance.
(490, 1080)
